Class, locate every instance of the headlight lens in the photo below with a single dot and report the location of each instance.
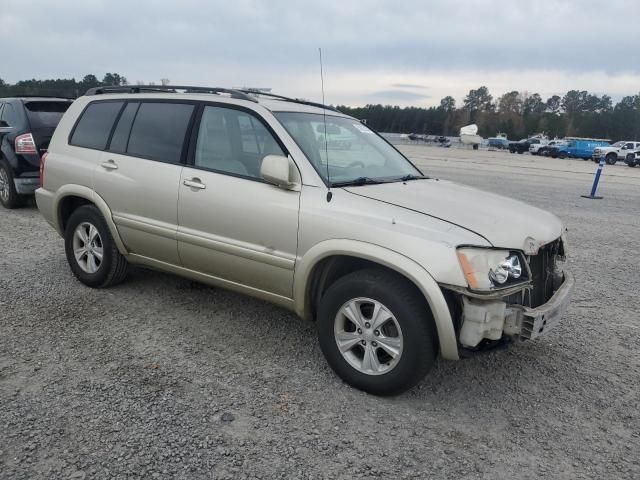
(486, 269)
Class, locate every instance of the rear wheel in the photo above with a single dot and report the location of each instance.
(376, 332)
(91, 252)
(8, 195)
(611, 158)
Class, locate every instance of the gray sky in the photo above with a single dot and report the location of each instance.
(409, 52)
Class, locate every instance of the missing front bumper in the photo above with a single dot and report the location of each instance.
(491, 320)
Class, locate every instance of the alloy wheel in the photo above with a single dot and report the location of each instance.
(368, 336)
(4, 185)
(87, 247)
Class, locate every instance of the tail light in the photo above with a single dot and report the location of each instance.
(25, 144)
(42, 160)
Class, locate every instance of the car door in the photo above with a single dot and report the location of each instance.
(139, 173)
(231, 224)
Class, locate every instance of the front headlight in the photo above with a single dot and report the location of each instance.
(488, 269)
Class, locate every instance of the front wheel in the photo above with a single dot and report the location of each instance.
(611, 159)
(377, 332)
(91, 252)
(562, 155)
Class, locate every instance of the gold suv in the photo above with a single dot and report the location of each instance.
(305, 207)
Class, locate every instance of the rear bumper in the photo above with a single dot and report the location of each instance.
(26, 185)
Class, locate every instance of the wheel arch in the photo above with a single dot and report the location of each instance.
(310, 268)
(69, 197)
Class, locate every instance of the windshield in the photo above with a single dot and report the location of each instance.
(618, 144)
(45, 114)
(355, 153)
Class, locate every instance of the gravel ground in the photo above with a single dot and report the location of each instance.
(165, 378)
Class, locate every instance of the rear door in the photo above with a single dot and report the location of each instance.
(232, 224)
(139, 173)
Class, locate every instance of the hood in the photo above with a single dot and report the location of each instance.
(503, 222)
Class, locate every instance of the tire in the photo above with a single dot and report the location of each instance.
(630, 160)
(562, 155)
(9, 197)
(611, 159)
(520, 152)
(410, 323)
(108, 271)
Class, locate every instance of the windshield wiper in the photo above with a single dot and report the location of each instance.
(357, 182)
(411, 176)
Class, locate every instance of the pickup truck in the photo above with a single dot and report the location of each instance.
(615, 152)
(520, 146)
(633, 158)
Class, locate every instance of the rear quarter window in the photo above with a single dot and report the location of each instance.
(94, 126)
(43, 114)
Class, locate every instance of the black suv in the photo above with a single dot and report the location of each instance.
(26, 127)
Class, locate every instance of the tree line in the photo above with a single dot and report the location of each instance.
(61, 87)
(518, 114)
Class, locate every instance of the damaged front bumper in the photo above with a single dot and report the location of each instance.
(491, 321)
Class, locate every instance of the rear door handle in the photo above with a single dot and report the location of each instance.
(194, 183)
(109, 165)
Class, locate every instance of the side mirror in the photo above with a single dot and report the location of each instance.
(278, 170)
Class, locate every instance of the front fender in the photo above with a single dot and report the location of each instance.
(390, 259)
(88, 194)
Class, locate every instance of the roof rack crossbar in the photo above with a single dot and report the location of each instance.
(237, 94)
(288, 99)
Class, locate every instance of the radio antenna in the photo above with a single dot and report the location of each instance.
(324, 120)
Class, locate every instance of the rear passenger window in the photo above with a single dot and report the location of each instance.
(92, 131)
(158, 131)
(121, 133)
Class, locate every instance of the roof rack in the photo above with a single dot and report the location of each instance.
(250, 91)
(59, 97)
(590, 139)
(237, 94)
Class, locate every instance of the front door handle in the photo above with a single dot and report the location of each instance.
(109, 165)
(194, 183)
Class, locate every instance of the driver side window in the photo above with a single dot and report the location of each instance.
(233, 142)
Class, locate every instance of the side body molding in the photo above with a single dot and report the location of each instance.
(390, 259)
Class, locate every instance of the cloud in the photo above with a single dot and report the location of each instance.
(451, 46)
(398, 95)
(409, 85)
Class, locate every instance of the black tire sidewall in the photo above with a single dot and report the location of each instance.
(14, 199)
(415, 320)
(93, 216)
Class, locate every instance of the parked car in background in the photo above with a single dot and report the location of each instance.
(520, 146)
(237, 189)
(615, 152)
(633, 158)
(583, 147)
(500, 141)
(26, 127)
(544, 150)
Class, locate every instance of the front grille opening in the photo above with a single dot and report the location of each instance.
(545, 274)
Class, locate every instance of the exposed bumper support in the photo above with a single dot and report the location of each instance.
(490, 320)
